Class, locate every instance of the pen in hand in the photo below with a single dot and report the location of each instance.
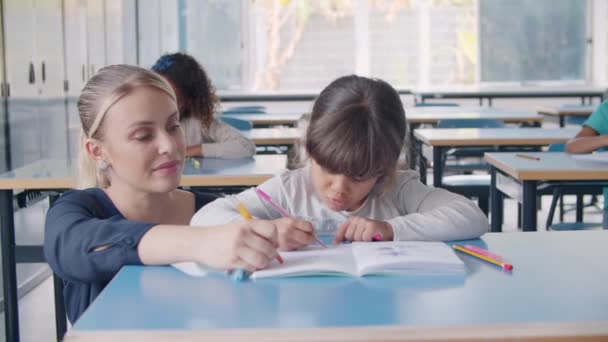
(266, 198)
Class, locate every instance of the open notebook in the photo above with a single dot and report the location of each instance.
(359, 259)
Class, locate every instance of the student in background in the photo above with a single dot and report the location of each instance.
(355, 136)
(131, 212)
(592, 136)
(197, 102)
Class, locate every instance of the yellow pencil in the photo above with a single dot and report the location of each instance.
(243, 211)
(246, 215)
(504, 265)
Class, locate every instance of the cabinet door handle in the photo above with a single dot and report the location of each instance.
(31, 74)
(43, 71)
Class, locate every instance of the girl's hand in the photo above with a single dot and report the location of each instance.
(357, 228)
(294, 233)
(248, 244)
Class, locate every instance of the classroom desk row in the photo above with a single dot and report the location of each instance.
(586, 93)
(415, 116)
(556, 291)
(562, 112)
(519, 178)
(441, 140)
(59, 175)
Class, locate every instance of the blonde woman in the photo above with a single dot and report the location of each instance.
(131, 211)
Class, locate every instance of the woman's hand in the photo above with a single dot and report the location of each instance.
(294, 233)
(248, 244)
(357, 228)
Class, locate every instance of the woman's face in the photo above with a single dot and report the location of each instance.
(143, 142)
(340, 192)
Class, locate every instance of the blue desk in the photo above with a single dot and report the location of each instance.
(558, 288)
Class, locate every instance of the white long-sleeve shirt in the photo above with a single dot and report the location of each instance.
(219, 141)
(414, 210)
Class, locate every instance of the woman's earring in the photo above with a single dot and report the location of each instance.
(102, 165)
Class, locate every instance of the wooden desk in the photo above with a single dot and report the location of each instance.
(555, 291)
(563, 111)
(518, 178)
(489, 93)
(61, 174)
(268, 119)
(416, 118)
(441, 139)
(274, 136)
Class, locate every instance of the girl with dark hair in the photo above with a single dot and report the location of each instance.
(197, 103)
(355, 137)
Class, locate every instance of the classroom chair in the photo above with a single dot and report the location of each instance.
(245, 110)
(467, 152)
(576, 120)
(241, 125)
(574, 188)
(558, 192)
(469, 185)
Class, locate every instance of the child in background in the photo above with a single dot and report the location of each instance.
(197, 102)
(593, 136)
(131, 212)
(355, 136)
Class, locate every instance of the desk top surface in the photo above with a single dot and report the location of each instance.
(433, 116)
(268, 119)
(498, 91)
(567, 110)
(61, 173)
(550, 166)
(274, 135)
(558, 278)
(493, 136)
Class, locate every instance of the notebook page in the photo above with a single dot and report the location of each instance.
(406, 257)
(312, 261)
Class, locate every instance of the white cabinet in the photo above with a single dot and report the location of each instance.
(34, 48)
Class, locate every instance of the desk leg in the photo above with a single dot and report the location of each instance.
(9, 280)
(421, 162)
(496, 203)
(411, 151)
(437, 166)
(529, 206)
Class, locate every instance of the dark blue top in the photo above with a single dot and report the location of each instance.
(79, 222)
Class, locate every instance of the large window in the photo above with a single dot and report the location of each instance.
(288, 45)
(533, 40)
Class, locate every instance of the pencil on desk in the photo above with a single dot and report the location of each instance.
(503, 265)
(525, 156)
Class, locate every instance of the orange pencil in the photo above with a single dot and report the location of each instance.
(525, 156)
(503, 265)
(245, 213)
